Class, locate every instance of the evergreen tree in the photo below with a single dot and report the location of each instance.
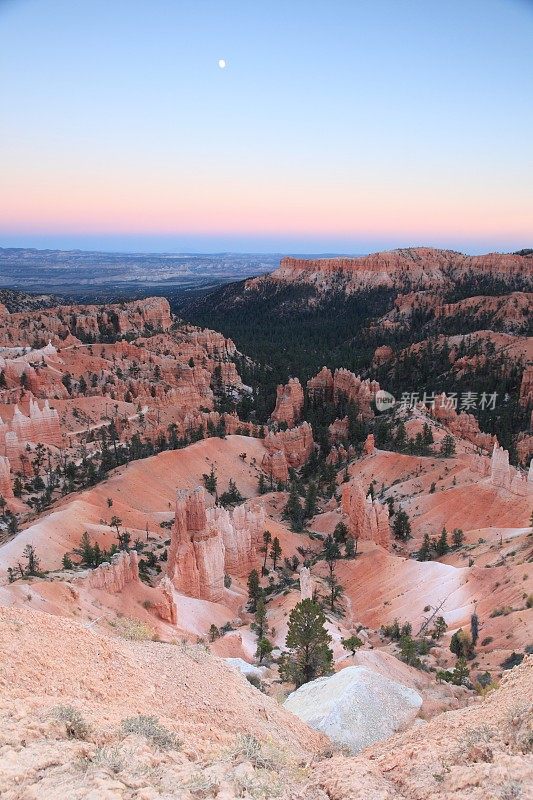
(308, 655)
(32, 561)
(458, 537)
(439, 628)
(275, 552)
(461, 644)
(293, 509)
(461, 672)
(442, 546)
(340, 534)
(210, 481)
(350, 548)
(85, 550)
(401, 526)
(264, 649)
(310, 500)
(447, 448)
(400, 438)
(424, 554)
(351, 643)
(66, 562)
(259, 625)
(254, 590)
(232, 496)
(267, 538)
(474, 628)
(427, 435)
(261, 484)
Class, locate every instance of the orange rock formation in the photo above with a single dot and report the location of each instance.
(287, 449)
(289, 403)
(207, 543)
(368, 520)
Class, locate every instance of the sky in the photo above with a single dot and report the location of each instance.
(337, 125)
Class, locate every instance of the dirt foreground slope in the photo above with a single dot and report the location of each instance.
(482, 752)
(48, 664)
(66, 690)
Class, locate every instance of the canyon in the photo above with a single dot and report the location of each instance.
(137, 469)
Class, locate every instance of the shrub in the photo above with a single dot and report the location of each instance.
(75, 725)
(503, 611)
(149, 727)
(512, 661)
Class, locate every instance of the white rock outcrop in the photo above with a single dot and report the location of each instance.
(246, 669)
(355, 707)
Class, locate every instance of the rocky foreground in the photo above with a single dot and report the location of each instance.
(89, 716)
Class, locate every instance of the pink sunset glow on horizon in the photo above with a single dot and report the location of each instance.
(323, 127)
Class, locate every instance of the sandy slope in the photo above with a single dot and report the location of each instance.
(195, 695)
(143, 494)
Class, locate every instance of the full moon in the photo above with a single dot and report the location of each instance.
(222, 63)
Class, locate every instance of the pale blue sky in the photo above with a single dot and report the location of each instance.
(342, 125)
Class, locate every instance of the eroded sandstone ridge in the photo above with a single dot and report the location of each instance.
(504, 476)
(19, 431)
(208, 543)
(420, 267)
(367, 518)
(328, 386)
(87, 322)
(114, 575)
(287, 449)
(461, 424)
(289, 403)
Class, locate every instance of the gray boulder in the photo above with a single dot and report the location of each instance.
(355, 707)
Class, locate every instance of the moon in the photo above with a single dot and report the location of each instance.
(222, 63)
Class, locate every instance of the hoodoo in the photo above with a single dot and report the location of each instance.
(368, 519)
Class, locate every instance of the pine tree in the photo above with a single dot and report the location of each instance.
(85, 550)
(402, 526)
(308, 655)
(66, 562)
(267, 538)
(458, 537)
(439, 628)
(461, 644)
(254, 590)
(32, 562)
(261, 484)
(264, 649)
(275, 552)
(447, 448)
(210, 481)
(259, 625)
(474, 628)
(424, 554)
(442, 546)
(293, 509)
(340, 534)
(310, 500)
(427, 435)
(350, 548)
(352, 643)
(461, 672)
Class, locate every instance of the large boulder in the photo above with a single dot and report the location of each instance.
(355, 707)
